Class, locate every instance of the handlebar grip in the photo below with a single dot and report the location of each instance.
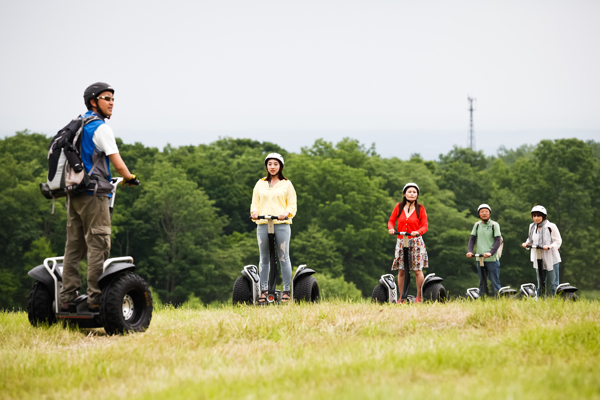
(405, 233)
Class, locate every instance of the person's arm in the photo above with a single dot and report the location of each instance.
(255, 200)
(292, 202)
(120, 166)
(471, 245)
(495, 246)
(556, 238)
(393, 218)
(424, 224)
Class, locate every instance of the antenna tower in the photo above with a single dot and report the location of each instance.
(471, 133)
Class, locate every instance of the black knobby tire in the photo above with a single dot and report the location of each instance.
(570, 296)
(126, 304)
(242, 291)
(39, 305)
(434, 292)
(306, 289)
(380, 294)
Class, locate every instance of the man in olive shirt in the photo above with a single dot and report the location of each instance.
(486, 239)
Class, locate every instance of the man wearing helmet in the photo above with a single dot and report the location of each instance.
(88, 221)
(545, 234)
(274, 195)
(486, 239)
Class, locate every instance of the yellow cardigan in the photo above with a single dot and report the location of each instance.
(278, 200)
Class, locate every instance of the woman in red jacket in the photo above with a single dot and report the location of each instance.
(411, 217)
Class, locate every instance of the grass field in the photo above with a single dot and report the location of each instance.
(460, 350)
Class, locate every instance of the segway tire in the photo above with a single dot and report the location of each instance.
(306, 289)
(380, 294)
(242, 292)
(39, 305)
(570, 296)
(434, 292)
(126, 305)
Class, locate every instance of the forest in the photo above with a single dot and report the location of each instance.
(187, 225)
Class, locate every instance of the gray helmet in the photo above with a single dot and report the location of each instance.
(93, 91)
(484, 206)
(409, 185)
(540, 209)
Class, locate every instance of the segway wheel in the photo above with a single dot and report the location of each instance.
(570, 297)
(242, 292)
(126, 305)
(306, 289)
(39, 305)
(380, 294)
(434, 292)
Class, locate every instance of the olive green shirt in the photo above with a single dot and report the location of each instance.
(485, 234)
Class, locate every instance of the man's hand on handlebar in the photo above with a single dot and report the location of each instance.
(282, 217)
(254, 215)
(469, 254)
(132, 181)
(487, 255)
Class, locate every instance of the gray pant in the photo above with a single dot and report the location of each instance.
(88, 234)
(283, 233)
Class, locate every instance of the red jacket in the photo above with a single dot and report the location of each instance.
(409, 224)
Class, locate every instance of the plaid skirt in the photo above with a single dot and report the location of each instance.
(416, 252)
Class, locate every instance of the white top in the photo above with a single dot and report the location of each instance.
(551, 256)
(104, 139)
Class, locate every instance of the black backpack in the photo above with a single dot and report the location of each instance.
(66, 172)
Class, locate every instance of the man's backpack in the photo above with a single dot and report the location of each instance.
(499, 252)
(66, 172)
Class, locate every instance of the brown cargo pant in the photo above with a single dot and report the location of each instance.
(88, 232)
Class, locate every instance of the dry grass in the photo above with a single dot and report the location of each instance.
(334, 349)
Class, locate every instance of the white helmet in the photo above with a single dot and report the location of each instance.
(276, 156)
(540, 209)
(483, 206)
(410, 184)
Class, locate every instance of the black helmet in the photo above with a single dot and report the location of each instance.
(94, 90)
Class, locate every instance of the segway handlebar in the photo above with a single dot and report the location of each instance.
(529, 247)
(269, 217)
(405, 233)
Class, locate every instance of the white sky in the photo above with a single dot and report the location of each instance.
(396, 73)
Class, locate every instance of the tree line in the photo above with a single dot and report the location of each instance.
(188, 229)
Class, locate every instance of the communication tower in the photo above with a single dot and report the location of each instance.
(471, 133)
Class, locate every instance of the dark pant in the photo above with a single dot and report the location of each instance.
(493, 272)
(88, 233)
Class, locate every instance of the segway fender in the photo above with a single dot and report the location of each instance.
(429, 279)
(251, 276)
(388, 282)
(111, 272)
(304, 272)
(41, 274)
(566, 288)
(473, 293)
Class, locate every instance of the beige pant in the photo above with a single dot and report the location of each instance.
(88, 233)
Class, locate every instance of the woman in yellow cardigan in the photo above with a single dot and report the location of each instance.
(274, 195)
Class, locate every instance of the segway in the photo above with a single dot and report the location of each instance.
(564, 290)
(246, 288)
(473, 293)
(387, 292)
(125, 303)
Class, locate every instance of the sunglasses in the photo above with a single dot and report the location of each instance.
(107, 98)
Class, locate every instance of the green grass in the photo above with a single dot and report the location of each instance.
(461, 350)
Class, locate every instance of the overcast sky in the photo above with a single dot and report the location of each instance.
(396, 73)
